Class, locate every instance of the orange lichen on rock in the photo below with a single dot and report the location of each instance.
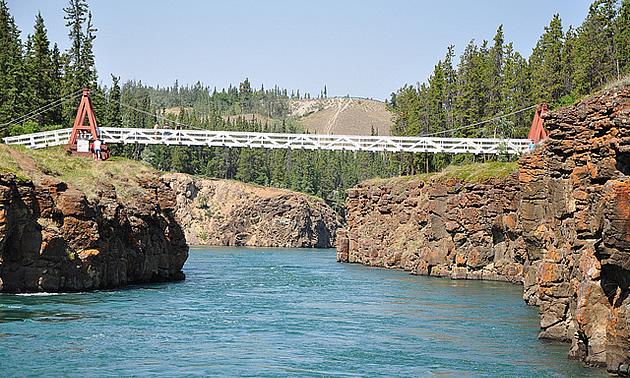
(578, 234)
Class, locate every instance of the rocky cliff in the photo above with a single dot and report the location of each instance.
(56, 236)
(222, 212)
(576, 224)
(560, 225)
(441, 226)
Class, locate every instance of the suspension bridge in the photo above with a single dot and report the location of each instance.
(235, 139)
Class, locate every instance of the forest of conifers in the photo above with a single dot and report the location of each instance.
(488, 80)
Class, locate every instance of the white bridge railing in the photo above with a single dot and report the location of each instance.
(111, 135)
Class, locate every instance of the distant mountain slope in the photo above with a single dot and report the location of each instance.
(342, 116)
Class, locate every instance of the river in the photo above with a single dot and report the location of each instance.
(281, 312)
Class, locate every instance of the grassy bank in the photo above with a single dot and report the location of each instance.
(85, 174)
(475, 172)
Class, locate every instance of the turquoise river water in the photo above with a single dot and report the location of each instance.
(281, 312)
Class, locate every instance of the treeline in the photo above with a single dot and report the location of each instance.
(36, 75)
(488, 80)
(491, 79)
(325, 174)
(234, 100)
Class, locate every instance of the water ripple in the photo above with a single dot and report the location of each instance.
(281, 312)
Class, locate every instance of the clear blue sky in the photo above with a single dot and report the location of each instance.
(364, 48)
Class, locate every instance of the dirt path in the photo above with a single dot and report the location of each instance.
(339, 110)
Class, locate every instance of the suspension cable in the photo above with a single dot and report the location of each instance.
(40, 110)
(147, 113)
(61, 101)
(480, 123)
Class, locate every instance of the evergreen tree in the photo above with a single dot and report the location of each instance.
(56, 81)
(76, 17)
(113, 116)
(594, 53)
(40, 71)
(516, 89)
(546, 64)
(471, 93)
(568, 68)
(12, 76)
(79, 65)
(450, 89)
(622, 38)
(496, 103)
(87, 65)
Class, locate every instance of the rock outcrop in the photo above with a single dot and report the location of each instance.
(576, 224)
(55, 238)
(222, 212)
(440, 227)
(562, 228)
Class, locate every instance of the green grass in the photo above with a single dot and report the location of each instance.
(475, 172)
(480, 171)
(8, 163)
(86, 174)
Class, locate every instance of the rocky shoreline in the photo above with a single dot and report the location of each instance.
(52, 238)
(441, 227)
(576, 223)
(560, 226)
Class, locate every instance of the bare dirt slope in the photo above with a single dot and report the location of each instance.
(342, 116)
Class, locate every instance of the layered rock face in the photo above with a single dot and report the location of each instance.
(442, 227)
(221, 212)
(52, 238)
(576, 224)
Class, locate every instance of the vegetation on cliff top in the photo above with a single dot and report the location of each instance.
(475, 172)
(85, 174)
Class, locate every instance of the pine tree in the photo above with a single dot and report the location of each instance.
(495, 75)
(87, 66)
(12, 71)
(622, 38)
(40, 71)
(79, 65)
(471, 96)
(450, 90)
(76, 17)
(56, 81)
(594, 53)
(113, 116)
(546, 65)
(568, 68)
(516, 89)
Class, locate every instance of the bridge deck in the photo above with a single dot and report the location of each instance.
(232, 139)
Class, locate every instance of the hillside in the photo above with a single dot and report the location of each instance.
(342, 116)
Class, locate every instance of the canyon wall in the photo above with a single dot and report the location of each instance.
(55, 238)
(223, 212)
(444, 227)
(576, 223)
(560, 225)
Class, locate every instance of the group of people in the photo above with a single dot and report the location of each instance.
(166, 128)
